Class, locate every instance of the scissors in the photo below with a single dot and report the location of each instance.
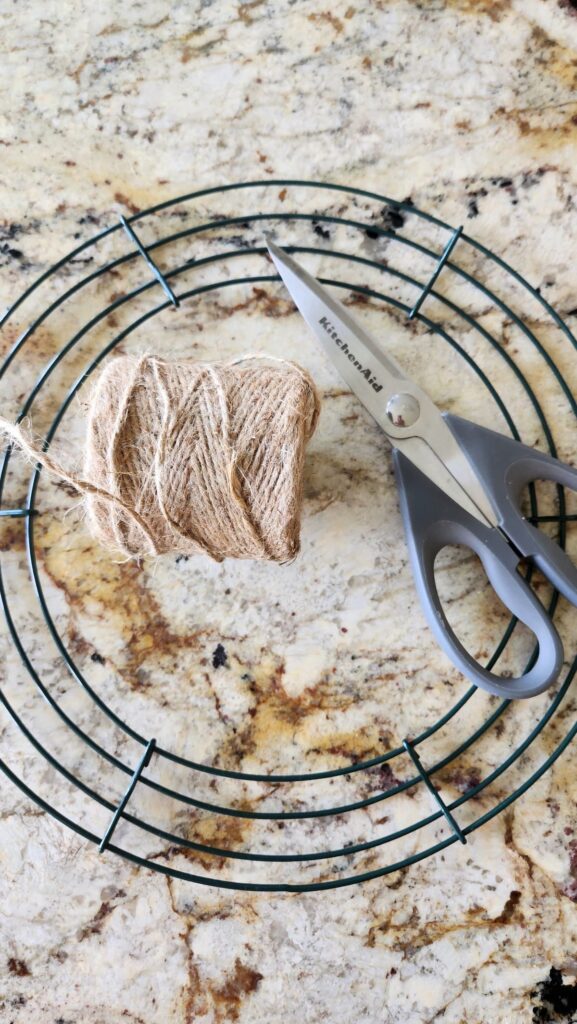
(459, 483)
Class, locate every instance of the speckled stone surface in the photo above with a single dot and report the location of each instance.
(469, 109)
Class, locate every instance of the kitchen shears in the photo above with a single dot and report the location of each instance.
(459, 483)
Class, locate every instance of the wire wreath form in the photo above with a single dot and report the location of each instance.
(412, 749)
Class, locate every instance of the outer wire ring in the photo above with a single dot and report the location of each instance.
(434, 327)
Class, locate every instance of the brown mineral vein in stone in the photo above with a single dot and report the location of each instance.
(229, 997)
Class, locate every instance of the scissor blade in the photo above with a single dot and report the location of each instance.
(374, 377)
(368, 371)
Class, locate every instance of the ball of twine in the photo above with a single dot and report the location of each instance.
(193, 458)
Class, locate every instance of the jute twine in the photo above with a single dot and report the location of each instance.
(194, 457)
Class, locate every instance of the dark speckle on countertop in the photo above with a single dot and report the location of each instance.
(219, 658)
(557, 1000)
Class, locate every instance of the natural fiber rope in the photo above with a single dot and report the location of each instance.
(191, 457)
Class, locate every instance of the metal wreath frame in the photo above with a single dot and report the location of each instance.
(412, 748)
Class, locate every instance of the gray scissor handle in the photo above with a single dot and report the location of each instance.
(433, 520)
(506, 467)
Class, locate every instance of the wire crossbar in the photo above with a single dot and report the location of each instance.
(149, 260)
(433, 278)
(144, 761)
(433, 790)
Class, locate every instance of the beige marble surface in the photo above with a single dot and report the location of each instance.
(468, 107)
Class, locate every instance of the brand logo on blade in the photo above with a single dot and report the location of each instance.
(364, 371)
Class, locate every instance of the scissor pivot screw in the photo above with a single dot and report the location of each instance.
(403, 410)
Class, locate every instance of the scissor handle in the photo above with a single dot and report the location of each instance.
(506, 467)
(432, 521)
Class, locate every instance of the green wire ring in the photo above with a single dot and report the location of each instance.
(27, 515)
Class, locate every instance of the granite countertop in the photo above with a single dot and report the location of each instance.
(466, 109)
